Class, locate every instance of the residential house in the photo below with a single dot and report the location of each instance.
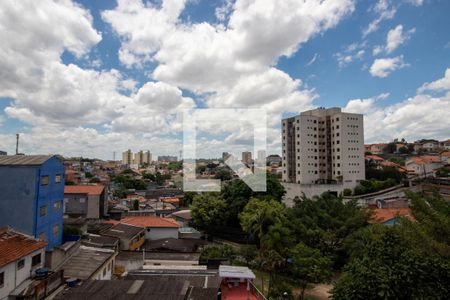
(20, 256)
(390, 216)
(155, 227)
(375, 148)
(273, 159)
(445, 144)
(423, 166)
(193, 286)
(130, 237)
(445, 157)
(89, 201)
(374, 159)
(31, 198)
(430, 145)
(90, 263)
(183, 217)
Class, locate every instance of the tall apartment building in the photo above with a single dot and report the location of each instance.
(127, 157)
(31, 196)
(323, 146)
(247, 157)
(142, 157)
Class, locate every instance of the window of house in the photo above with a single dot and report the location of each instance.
(44, 180)
(42, 236)
(43, 211)
(104, 272)
(2, 279)
(20, 264)
(82, 200)
(58, 178)
(55, 229)
(36, 260)
(57, 205)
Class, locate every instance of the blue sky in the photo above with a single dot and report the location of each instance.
(93, 77)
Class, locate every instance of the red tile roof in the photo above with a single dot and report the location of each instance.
(388, 163)
(374, 157)
(150, 221)
(425, 159)
(14, 245)
(84, 189)
(381, 215)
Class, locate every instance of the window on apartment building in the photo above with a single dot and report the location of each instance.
(43, 211)
(36, 260)
(58, 178)
(337, 119)
(2, 279)
(57, 205)
(337, 126)
(56, 229)
(20, 264)
(44, 180)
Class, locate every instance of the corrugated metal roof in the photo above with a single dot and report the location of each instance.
(23, 160)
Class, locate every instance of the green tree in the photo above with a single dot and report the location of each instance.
(386, 263)
(223, 175)
(149, 176)
(309, 265)
(258, 215)
(208, 211)
(188, 198)
(325, 222)
(390, 148)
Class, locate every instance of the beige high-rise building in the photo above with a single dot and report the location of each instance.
(247, 157)
(142, 157)
(127, 157)
(323, 146)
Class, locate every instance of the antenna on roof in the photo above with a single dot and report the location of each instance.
(17, 144)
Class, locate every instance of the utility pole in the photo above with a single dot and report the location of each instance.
(17, 144)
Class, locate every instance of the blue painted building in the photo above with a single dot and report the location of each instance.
(31, 196)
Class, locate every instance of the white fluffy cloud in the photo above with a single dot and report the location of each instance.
(384, 10)
(420, 116)
(442, 84)
(206, 58)
(382, 67)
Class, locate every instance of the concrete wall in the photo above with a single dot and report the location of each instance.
(106, 270)
(76, 204)
(310, 190)
(93, 206)
(14, 277)
(161, 233)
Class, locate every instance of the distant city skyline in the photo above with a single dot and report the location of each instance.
(89, 78)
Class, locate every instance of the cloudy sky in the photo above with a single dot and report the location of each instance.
(93, 77)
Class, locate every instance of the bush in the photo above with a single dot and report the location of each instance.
(218, 252)
(372, 186)
(71, 230)
(347, 192)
